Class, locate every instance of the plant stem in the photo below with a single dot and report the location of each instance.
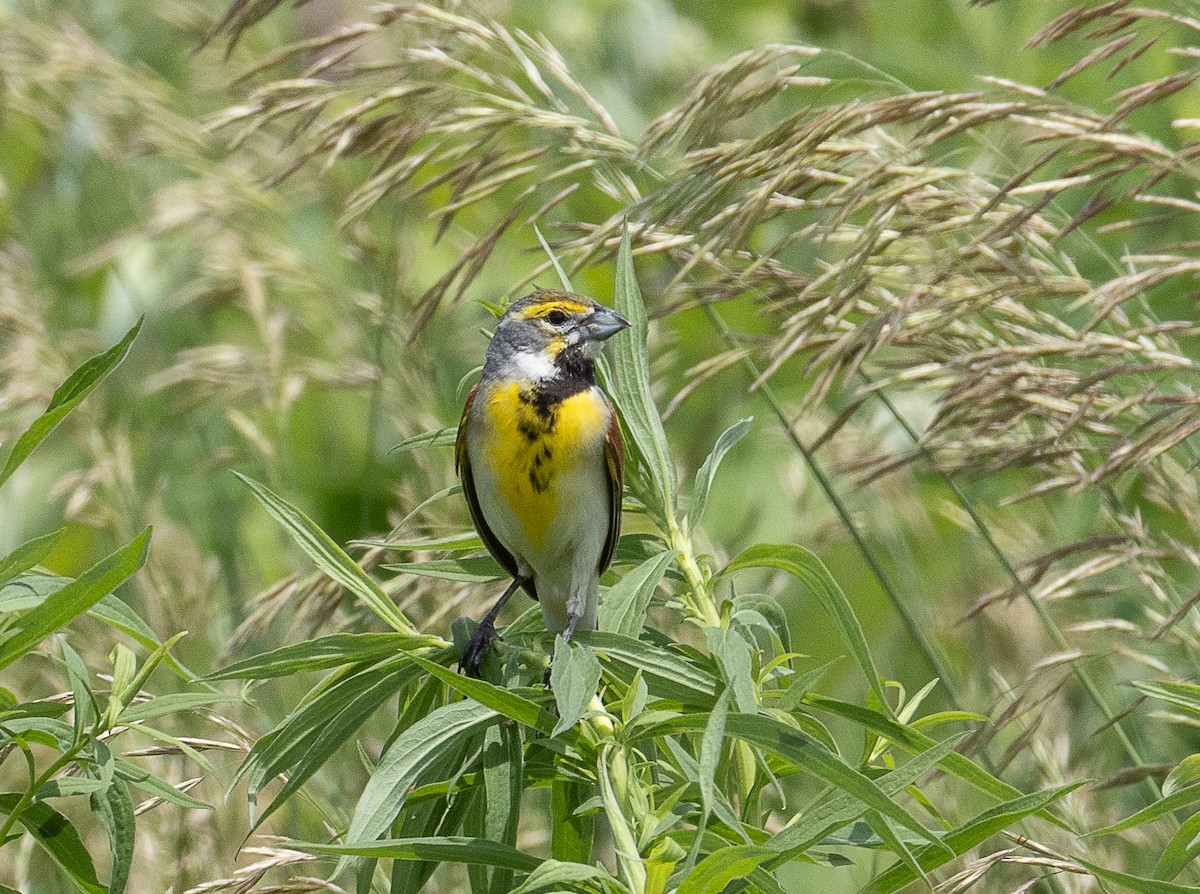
(702, 601)
(27, 798)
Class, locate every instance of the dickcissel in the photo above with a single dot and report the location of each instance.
(540, 454)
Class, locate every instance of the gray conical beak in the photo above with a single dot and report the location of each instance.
(602, 323)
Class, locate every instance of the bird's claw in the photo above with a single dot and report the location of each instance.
(477, 649)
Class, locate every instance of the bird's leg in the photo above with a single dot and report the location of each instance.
(485, 633)
(573, 618)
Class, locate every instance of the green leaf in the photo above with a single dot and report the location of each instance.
(129, 692)
(733, 657)
(442, 437)
(1135, 883)
(800, 685)
(503, 785)
(1185, 773)
(571, 832)
(774, 736)
(563, 279)
(119, 615)
(503, 701)
(966, 837)
(172, 703)
(141, 778)
(708, 470)
(437, 817)
(307, 738)
(806, 567)
(114, 808)
(712, 744)
(402, 764)
(67, 397)
(913, 741)
(58, 838)
(1180, 850)
(623, 607)
(631, 370)
(755, 610)
(330, 557)
(555, 875)
(124, 667)
(574, 676)
(719, 868)
(818, 821)
(323, 653)
(29, 590)
(1182, 798)
(667, 672)
(27, 555)
(1185, 696)
(445, 849)
(82, 699)
(474, 569)
(73, 599)
(895, 844)
(466, 541)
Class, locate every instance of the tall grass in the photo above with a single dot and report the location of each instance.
(962, 317)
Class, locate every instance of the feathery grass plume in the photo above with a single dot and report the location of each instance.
(1016, 257)
(1005, 269)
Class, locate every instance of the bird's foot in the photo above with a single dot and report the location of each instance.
(477, 649)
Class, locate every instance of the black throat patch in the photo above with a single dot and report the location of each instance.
(574, 374)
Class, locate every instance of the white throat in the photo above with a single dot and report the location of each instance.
(533, 367)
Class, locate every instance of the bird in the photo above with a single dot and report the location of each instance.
(541, 460)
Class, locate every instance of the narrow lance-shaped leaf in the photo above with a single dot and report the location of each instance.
(563, 279)
(27, 555)
(966, 837)
(67, 397)
(773, 735)
(330, 557)
(1135, 883)
(447, 849)
(324, 652)
(472, 569)
(503, 775)
(718, 869)
(631, 368)
(556, 875)
(623, 607)
(711, 745)
(114, 807)
(879, 825)
(58, 838)
(817, 822)
(804, 565)
(442, 437)
(74, 599)
(571, 833)
(406, 758)
(708, 470)
(1180, 850)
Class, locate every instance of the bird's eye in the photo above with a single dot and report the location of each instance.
(556, 317)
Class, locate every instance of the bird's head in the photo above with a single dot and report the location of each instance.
(551, 333)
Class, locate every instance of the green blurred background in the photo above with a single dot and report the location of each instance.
(283, 344)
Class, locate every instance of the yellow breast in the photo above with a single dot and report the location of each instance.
(529, 449)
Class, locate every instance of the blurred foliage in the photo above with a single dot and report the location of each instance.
(943, 253)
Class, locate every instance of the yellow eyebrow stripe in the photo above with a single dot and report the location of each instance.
(540, 310)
